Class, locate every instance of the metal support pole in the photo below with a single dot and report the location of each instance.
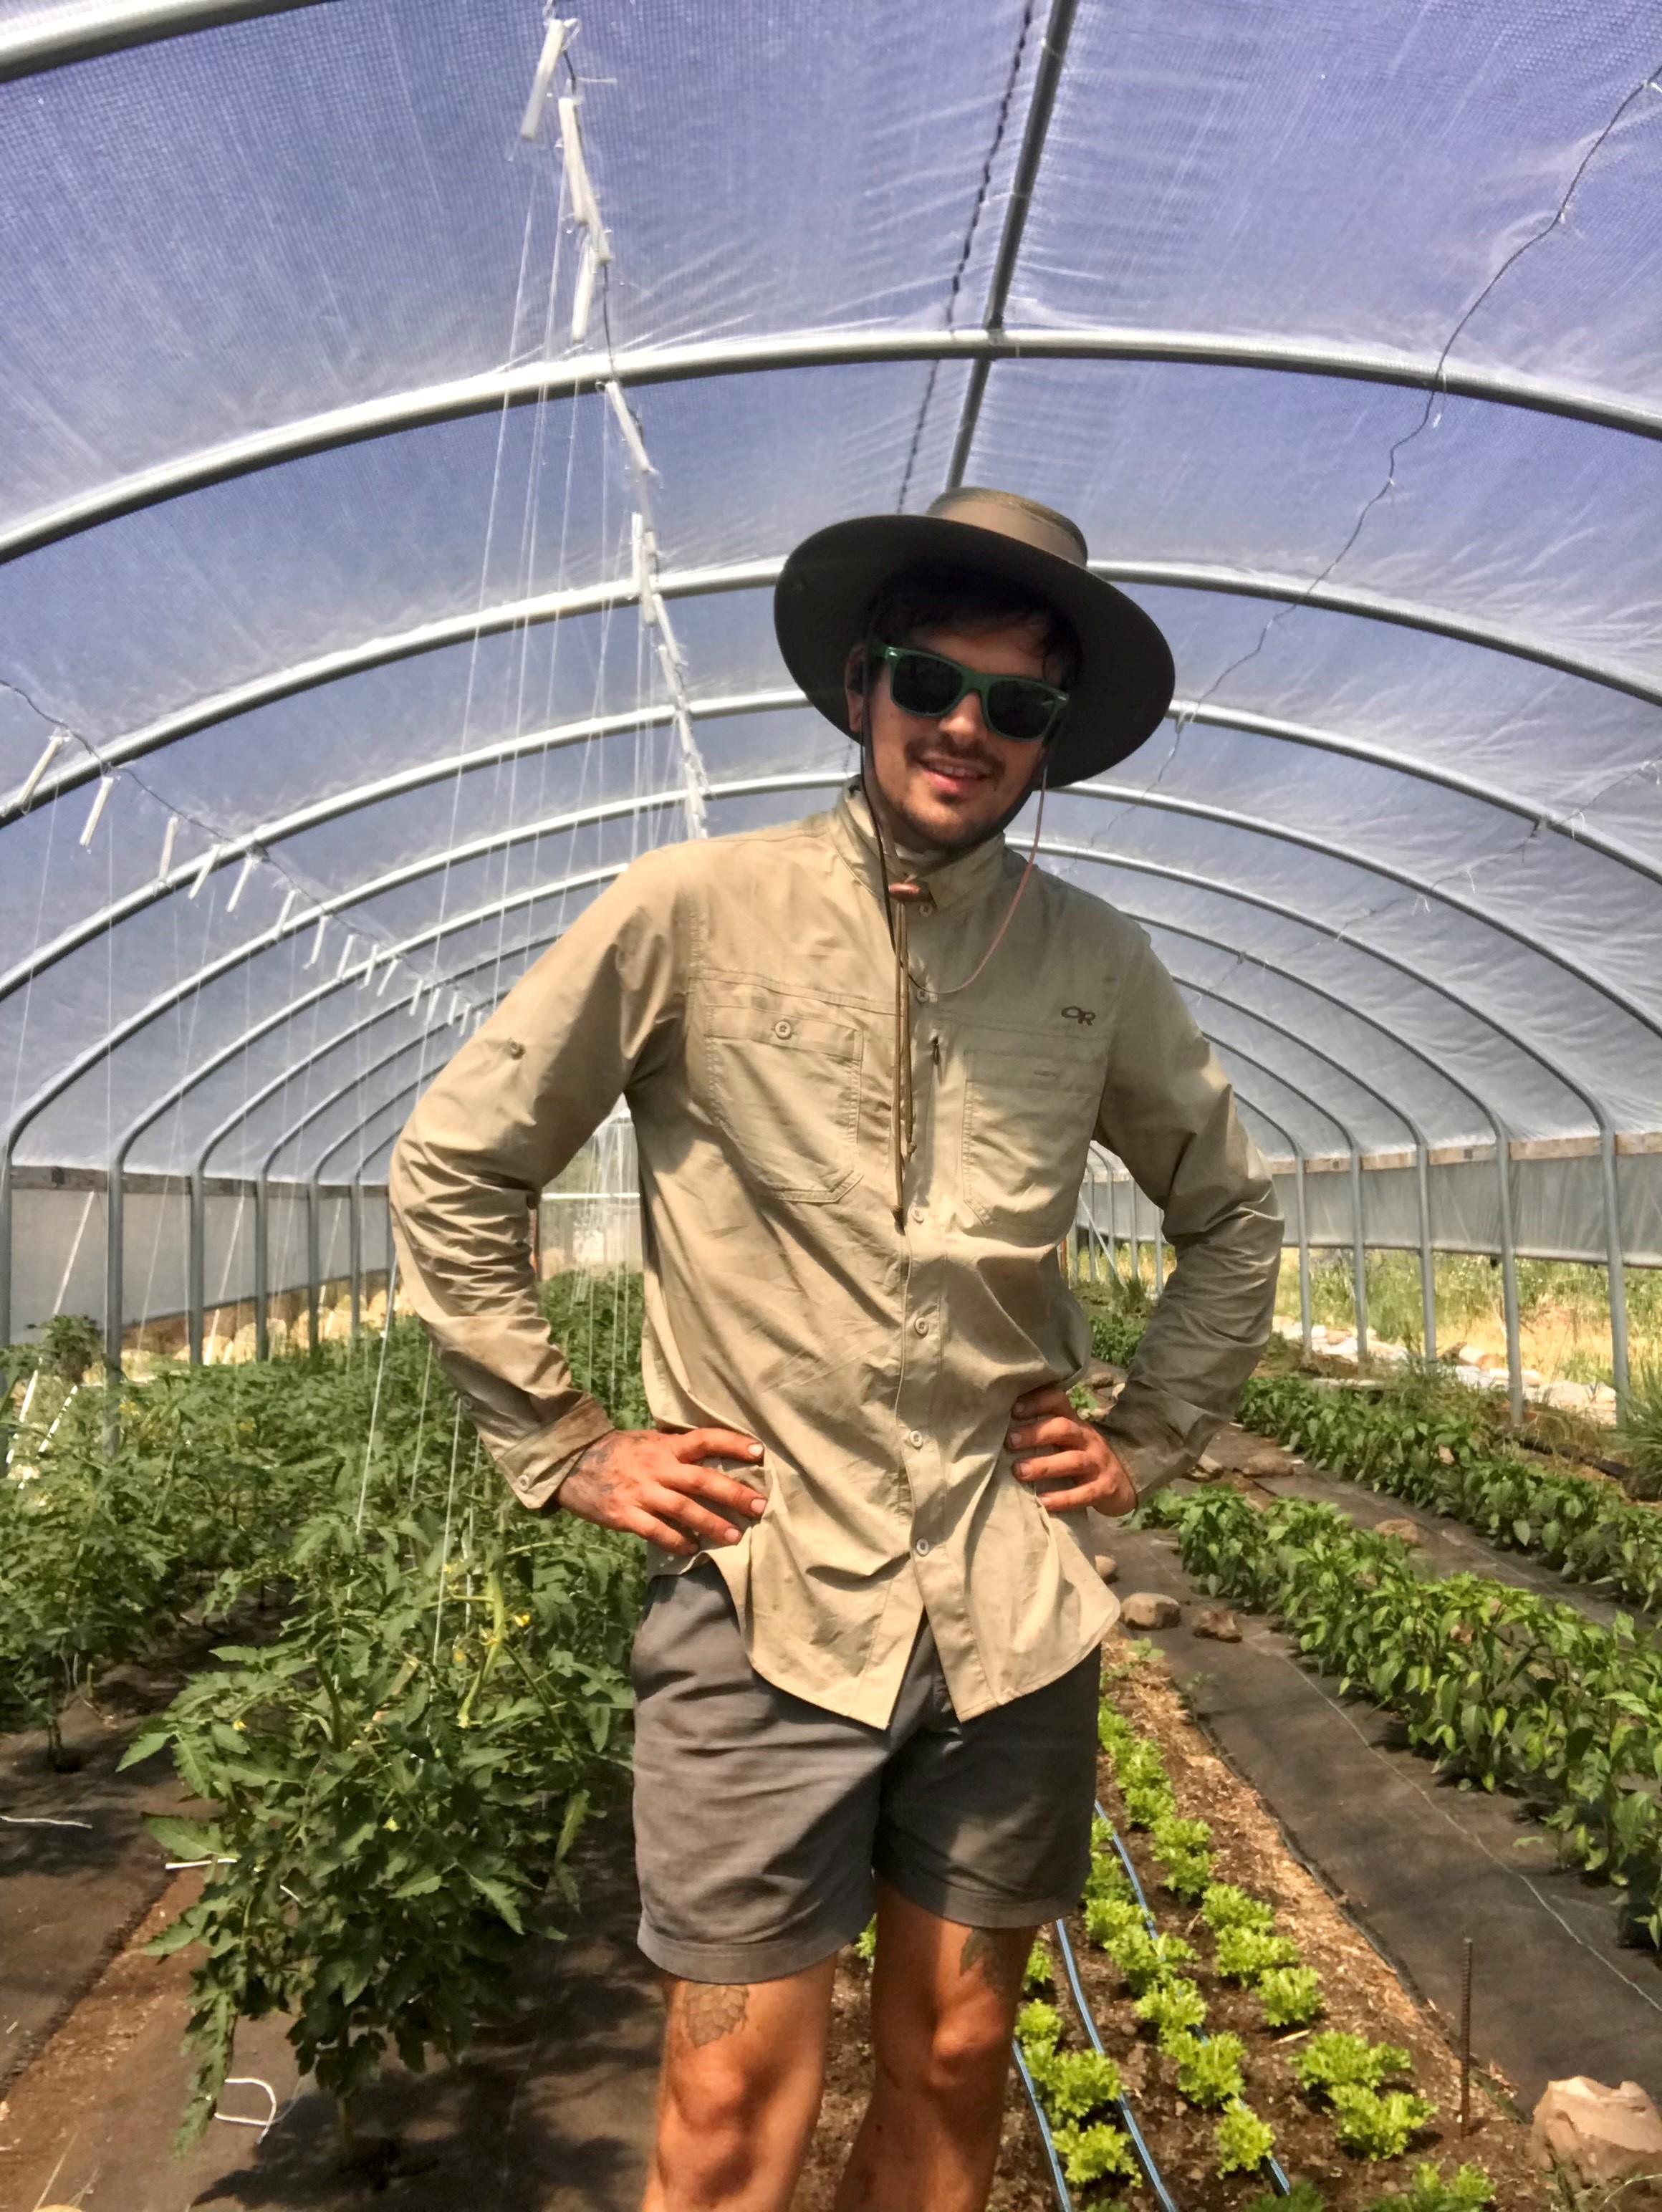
(1159, 1250)
(5, 1245)
(313, 1267)
(393, 1256)
(1358, 1253)
(1428, 1254)
(1304, 1251)
(1509, 1275)
(262, 1268)
(1614, 1262)
(114, 1264)
(195, 1266)
(355, 1251)
(1136, 1240)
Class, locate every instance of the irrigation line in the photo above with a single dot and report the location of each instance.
(1278, 2180)
(1122, 2112)
(1058, 2179)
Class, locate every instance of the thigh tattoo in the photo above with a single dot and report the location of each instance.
(996, 1954)
(706, 2011)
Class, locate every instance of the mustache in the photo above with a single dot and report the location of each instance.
(959, 756)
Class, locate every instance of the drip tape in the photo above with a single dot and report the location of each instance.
(1278, 2180)
(1058, 2179)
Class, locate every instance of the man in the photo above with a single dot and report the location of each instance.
(865, 1055)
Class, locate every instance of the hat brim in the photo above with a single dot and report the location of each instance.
(1125, 680)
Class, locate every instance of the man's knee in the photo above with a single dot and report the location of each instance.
(963, 2054)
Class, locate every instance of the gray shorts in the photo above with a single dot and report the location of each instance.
(762, 1822)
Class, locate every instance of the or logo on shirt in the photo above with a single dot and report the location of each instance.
(1083, 1015)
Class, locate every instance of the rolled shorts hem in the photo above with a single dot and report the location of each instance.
(765, 1961)
(966, 1907)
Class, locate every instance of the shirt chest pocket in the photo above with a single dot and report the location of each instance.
(782, 1082)
(1029, 1116)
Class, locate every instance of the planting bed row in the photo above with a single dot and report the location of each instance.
(1246, 2043)
(1507, 1690)
(1427, 1452)
(400, 1767)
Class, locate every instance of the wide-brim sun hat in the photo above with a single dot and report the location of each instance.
(825, 589)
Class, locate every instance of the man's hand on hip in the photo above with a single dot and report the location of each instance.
(651, 1484)
(1057, 1446)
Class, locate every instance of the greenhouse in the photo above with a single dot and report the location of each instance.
(410, 410)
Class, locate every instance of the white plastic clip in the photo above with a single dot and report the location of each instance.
(169, 839)
(101, 800)
(580, 192)
(317, 942)
(386, 979)
(672, 671)
(582, 292)
(345, 955)
(205, 870)
(661, 616)
(628, 426)
(289, 898)
(367, 977)
(249, 863)
(55, 744)
(541, 84)
(639, 567)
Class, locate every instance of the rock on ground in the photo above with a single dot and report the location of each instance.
(1270, 1461)
(1149, 1609)
(1405, 1531)
(1107, 1566)
(1598, 2135)
(1218, 1622)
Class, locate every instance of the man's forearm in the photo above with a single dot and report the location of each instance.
(1202, 1341)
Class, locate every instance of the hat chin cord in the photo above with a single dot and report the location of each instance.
(897, 897)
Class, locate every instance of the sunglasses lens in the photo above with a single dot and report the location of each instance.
(1018, 709)
(923, 683)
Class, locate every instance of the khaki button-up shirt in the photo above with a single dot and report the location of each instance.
(739, 995)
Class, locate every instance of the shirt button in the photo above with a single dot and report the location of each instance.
(915, 1438)
(515, 1049)
(922, 1324)
(918, 1214)
(781, 1029)
(921, 1546)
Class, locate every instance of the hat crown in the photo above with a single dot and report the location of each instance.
(1012, 515)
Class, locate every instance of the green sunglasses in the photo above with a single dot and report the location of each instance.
(1019, 708)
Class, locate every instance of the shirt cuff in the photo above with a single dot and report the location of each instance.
(537, 1464)
(1155, 1437)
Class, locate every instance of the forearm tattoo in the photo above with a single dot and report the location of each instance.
(997, 1955)
(706, 2011)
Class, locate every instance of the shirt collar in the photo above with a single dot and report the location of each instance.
(951, 879)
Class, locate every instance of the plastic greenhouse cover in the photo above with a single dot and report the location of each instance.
(1401, 841)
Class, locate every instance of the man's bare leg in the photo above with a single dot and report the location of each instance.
(944, 1999)
(738, 2092)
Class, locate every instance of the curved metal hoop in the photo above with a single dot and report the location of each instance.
(756, 575)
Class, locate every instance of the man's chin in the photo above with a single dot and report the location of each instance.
(945, 827)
